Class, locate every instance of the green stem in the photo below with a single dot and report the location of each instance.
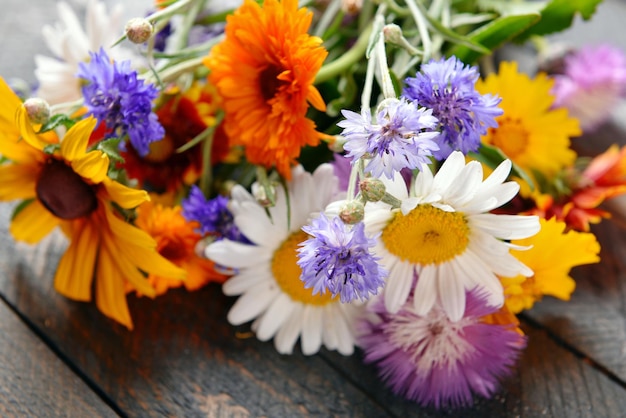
(341, 64)
(207, 147)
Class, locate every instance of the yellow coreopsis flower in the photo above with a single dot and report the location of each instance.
(553, 254)
(530, 133)
(70, 188)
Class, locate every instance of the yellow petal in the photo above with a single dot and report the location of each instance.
(124, 232)
(74, 144)
(124, 196)
(27, 131)
(130, 272)
(110, 292)
(9, 102)
(18, 151)
(93, 166)
(18, 181)
(33, 223)
(76, 268)
(150, 261)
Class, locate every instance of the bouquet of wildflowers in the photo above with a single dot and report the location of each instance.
(356, 173)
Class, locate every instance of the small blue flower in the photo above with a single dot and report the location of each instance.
(337, 259)
(448, 88)
(212, 215)
(114, 95)
(401, 138)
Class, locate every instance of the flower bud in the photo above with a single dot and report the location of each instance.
(351, 7)
(336, 145)
(264, 194)
(392, 34)
(352, 212)
(38, 110)
(138, 30)
(372, 189)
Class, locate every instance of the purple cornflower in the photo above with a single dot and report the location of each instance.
(114, 95)
(401, 138)
(593, 82)
(434, 361)
(448, 88)
(337, 259)
(212, 215)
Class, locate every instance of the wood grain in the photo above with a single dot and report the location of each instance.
(35, 382)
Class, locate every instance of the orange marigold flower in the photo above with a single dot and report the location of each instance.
(176, 241)
(264, 71)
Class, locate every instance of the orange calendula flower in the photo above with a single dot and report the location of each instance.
(69, 188)
(264, 71)
(176, 240)
(530, 133)
(553, 254)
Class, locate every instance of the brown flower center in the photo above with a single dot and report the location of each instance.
(63, 192)
(269, 83)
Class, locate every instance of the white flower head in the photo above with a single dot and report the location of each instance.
(444, 237)
(70, 44)
(268, 276)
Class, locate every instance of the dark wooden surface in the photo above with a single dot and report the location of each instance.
(63, 358)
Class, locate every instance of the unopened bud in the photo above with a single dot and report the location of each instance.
(393, 34)
(138, 30)
(352, 212)
(264, 194)
(38, 110)
(337, 144)
(372, 189)
(351, 7)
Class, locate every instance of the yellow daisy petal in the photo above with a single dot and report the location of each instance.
(128, 265)
(9, 102)
(93, 166)
(18, 181)
(74, 144)
(27, 131)
(125, 233)
(33, 223)
(124, 196)
(76, 268)
(110, 292)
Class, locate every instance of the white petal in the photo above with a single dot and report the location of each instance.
(311, 338)
(247, 278)
(451, 292)
(252, 303)
(253, 222)
(464, 188)
(396, 186)
(448, 172)
(344, 330)
(425, 294)
(329, 330)
(399, 284)
(506, 226)
(236, 255)
(288, 334)
(274, 317)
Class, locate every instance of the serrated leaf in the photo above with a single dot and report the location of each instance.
(493, 157)
(558, 15)
(494, 34)
(111, 147)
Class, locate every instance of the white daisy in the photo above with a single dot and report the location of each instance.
(70, 45)
(443, 236)
(268, 278)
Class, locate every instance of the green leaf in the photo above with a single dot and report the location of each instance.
(111, 147)
(494, 34)
(493, 156)
(559, 15)
(56, 121)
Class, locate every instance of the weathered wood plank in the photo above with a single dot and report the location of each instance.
(34, 382)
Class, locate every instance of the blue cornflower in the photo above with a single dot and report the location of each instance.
(114, 95)
(448, 88)
(337, 259)
(401, 138)
(212, 215)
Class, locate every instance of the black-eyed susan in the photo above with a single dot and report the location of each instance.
(69, 188)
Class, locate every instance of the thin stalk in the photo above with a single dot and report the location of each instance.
(422, 27)
(327, 17)
(341, 64)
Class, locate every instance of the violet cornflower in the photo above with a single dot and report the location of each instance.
(337, 259)
(213, 215)
(402, 137)
(116, 96)
(593, 82)
(435, 361)
(448, 88)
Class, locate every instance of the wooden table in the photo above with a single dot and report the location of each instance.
(63, 358)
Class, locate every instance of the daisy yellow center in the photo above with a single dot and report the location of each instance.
(63, 192)
(511, 136)
(287, 272)
(426, 235)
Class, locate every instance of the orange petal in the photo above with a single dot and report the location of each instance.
(110, 292)
(315, 98)
(33, 223)
(76, 268)
(18, 181)
(74, 144)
